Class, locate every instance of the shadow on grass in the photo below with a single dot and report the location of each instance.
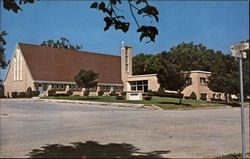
(234, 104)
(92, 149)
(88, 99)
(183, 104)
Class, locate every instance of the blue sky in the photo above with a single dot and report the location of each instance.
(216, 24)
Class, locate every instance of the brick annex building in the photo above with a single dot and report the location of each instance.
(44, 68)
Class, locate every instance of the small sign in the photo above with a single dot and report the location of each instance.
(238, 54)
(238, 50)
(240, 47)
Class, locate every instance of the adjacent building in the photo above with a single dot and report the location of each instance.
(44, 68)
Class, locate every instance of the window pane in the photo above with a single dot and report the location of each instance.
(133, 83)
(145, 88)
(139, 82)
(139, 88)
(133, 88)
(145, 82)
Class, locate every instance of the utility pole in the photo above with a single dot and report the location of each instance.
(239, 51)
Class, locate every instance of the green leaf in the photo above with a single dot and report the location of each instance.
(94, 5)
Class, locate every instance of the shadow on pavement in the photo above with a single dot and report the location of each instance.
(92, 149)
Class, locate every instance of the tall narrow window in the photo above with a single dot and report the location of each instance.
(127, 60)
(14, 61)
(21, 67)
(17, 64)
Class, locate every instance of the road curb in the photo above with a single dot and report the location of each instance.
(152, 107)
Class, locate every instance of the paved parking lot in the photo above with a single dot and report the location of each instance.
(29, 125)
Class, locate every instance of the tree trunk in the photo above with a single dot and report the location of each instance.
(179, 97)
(226, 98)
(87, 93)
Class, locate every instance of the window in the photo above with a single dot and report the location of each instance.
(139, 88)
(21, 67)
(17, 64)
(189, 81)
(126, 60)
(139, 85)
(105, 88)
(219, 96)
(92, 89)
(127, 67)
(117, 88)
(133, 88)
(14, 68)
(214, 95)
(203, 80)
(203, 96)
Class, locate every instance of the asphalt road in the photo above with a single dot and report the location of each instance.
(29, 125)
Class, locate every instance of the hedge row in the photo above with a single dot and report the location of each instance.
(53, 93)
(29, 93)
(160, 93)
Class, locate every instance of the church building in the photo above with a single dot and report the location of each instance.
(45, 68)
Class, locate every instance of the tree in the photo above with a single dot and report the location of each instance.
(225, 76)
(145, 64)
(29, 92)
(110, 9)
(86, 79)
(245, 66)
(62, 43)
(172, 75)
(3, 63)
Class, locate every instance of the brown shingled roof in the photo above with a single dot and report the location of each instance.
(53, 64)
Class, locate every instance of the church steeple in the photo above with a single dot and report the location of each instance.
(126, 63)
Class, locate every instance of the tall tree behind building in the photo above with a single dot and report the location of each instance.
(61, 43)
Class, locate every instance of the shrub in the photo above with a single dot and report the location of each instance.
(86, 93)
(36, 93)
(144, 94)
(29, 93)
(113, 93)
(119, 98)
(1, 92)
(234, 104)
(51, 92)
(70, 92)
(148, 98)
(203, 96)
(151, 93)
(14, 94)
(61, 94)
(100, 93)
(161, 92)
(123, 93)
(193, 96)
(218, 100)
(174, 95)
(21, 94)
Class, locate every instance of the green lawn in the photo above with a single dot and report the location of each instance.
(163, 102)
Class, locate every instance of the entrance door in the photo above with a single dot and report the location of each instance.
(40, 89)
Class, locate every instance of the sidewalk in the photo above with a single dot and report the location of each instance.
(131, 105)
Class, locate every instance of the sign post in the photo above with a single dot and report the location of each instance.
(238, 51)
